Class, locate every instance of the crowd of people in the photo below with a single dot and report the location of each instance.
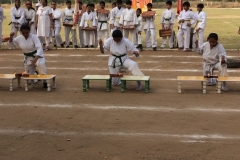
(38, 27)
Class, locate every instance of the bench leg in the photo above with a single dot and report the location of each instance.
(88, 86)
(19, 82)
(179, 87)
(26, 85)
(11, 85)
(146, 86)
(54, 83)
(149, 84)
(108, 85)
(84, 85)
(49, 86)
(204, 87)
(123, 86)
(219, 84)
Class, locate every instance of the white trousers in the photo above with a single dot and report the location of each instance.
(183, 37)
(88, 37)
(210, 68)
(102, 33)
(57, 39)
(151, 33)
(15, 30)
(95, 38)
(40, 67)
(132, 32)
(116, 28)
(81, 37)
(200, 36)
(67, 33)
(138, 38)
(170, 38)
(127, 64)
(33, 29)
(0, 33)
(45, 40)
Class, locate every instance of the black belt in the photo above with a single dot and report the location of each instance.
(102, 23)
(28, 20)
(17, 17)
(119, 57)
(31, 54)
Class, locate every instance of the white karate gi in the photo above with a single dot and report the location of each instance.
(129, 18)
(115, 18)
(17, 17)
(67, 17)
(1, 21)
(212, 60)
(201, 23)
(30, 16)
(168, 17)
(88, 20)
(121, 49)
(150, 31)
(139, 28)
(80, 31)
(184, 30)
(44, 24)
(102, 26)
(29, 45)
(95, 32)
(57, 39)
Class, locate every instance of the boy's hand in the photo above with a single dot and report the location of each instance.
(196, 43)
(12, 34)
(100, 42)
(136, 54)
(239, 31)
(111, 26)
(223, 60)
(189, 25)
(139, 32)
(34, 61)
(197, 30)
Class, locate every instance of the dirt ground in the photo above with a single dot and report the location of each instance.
(68, 124)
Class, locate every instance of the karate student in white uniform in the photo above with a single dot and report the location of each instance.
(57, 39)
(17, 17)
(42, 39)
(186, 19)
(67, 17)
(102, 23)
(115, 15)
(32, 50)
(127, 19)
(139, 29)
(95, 37)
(200, 25)
(118, 47)
(1, 21)
(88, 21)
(167, 21)
(82, 9)
(215, 58)
(150, 30)
(30, 16)
(44, 22)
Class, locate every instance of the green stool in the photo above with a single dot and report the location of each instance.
(146, 79)
(87, 78)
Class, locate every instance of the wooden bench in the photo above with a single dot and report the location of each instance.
(87, 78)
(10, 77)
(48, 78)
(146, 79)
(191, 78)
(225, 79)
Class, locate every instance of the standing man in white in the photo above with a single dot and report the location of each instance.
(44, 22)
(1, 21)
(200, 26)
(82, 9)
(67, 17)
(57, 39)
(115, 16)
(186, 19)
(167, 21)
(30, 16)
(17, 17)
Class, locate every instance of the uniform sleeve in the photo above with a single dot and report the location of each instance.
(82, 20)
(161, 19)
(122, 17)
(14, 43)
(33, 16)
(1, 12)
(12, 15)
(173, 17)
(135, 19)
(194, 19)
(222, 52)
(140, 23)
(50, 10)
(57, 15)
(38, 46)
(112, 18)
(180, 17)
(94, 24)
(63, 15)
(203, 23)
(22, 18)
(200, 49)
(131, 47)
(106, 45)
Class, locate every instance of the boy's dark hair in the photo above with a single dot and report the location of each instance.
(213, 35)
(117, 34)
(80, 2)
(53, 2)
(149, 5)
(140, 10)
(186, 4)
(129, 2)
(169, 3)
(24, 26)
(68, 2)
(119, 1)
(114, 3)
(92, 5)
(200, 5)
(102, 2)
(89, 5)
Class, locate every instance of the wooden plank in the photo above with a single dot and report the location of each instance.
(96, 77)
(135, 78)
(191, 78)
(43, 77)
(228, 79)
(7, 76)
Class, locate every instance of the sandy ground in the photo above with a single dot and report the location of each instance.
(68, 124)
